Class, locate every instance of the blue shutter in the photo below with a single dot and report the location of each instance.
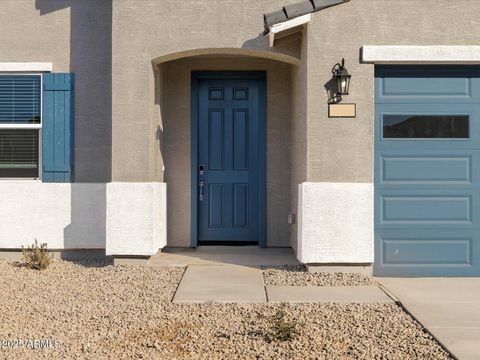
(57, 128)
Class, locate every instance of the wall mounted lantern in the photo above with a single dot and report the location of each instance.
(342, 78)
(339, 86)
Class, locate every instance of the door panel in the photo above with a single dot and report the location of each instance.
(229, 116)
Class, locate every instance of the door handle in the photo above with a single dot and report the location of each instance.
(201, 184)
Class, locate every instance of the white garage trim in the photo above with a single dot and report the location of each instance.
(387, 54)
(26, 66)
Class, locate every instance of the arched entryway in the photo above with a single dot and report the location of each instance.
(173, 88)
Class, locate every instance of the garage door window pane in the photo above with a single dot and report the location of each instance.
(426, 126)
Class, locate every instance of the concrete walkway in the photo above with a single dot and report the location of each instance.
(448, 307)
(240, 284)
(220, 283)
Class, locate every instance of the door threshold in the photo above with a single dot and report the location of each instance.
(227, 243)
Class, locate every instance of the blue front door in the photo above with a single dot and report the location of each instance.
(427, 171)
(229, 189)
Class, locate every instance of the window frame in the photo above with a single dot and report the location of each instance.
(38, 127)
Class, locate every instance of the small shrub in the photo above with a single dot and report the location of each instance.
(37, 256)
(282, 329)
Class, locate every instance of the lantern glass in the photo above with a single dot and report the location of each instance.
(343, 82)
(342, 79)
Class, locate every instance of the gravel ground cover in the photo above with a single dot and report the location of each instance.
(297, 275)
(116, 312)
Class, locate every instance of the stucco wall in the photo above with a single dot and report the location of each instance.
(147, 30)
(76, 37)
(65, 216)
(177, 133)
(122, 218)
(136, 218)
(298, 135)
(335, 223)
(341, 150)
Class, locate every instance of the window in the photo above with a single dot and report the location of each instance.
(426, 126)
(20, 125)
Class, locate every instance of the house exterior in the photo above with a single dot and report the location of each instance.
(129, 126)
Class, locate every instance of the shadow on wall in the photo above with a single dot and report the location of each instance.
(289, 45)
(159, 79)
(331, 89)
(88, 227)
(91, 61)
(260, 43)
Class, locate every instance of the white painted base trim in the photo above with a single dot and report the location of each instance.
(26, 67)
(388, 54)
(123, 219)
(335, 223)
(136, 218)
(65, 216)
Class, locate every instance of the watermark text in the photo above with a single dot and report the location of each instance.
(29, 344)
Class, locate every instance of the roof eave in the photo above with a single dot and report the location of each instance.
(287, 26)
(293, 11)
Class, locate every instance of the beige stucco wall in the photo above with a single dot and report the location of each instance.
(75, 36)
(298, 155)
(151, 122)
(146, 31)
(110, 48)
(177, 132)
(341, 150)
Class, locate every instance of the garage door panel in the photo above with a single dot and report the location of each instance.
(426, 168)
(432, 84)
(400, 208)
(418, 87)
(427, 252)
(423, 209)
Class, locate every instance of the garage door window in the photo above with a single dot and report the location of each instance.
(426, 126)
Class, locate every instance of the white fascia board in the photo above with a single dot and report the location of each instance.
(287, 25)
(405, 54)
(25, 67)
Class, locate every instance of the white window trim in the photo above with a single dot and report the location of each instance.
(408, 54)
(28, 126)
(26, 66)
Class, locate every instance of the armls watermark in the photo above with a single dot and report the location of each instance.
(30, 344)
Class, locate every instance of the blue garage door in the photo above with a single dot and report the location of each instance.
(427, 171)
